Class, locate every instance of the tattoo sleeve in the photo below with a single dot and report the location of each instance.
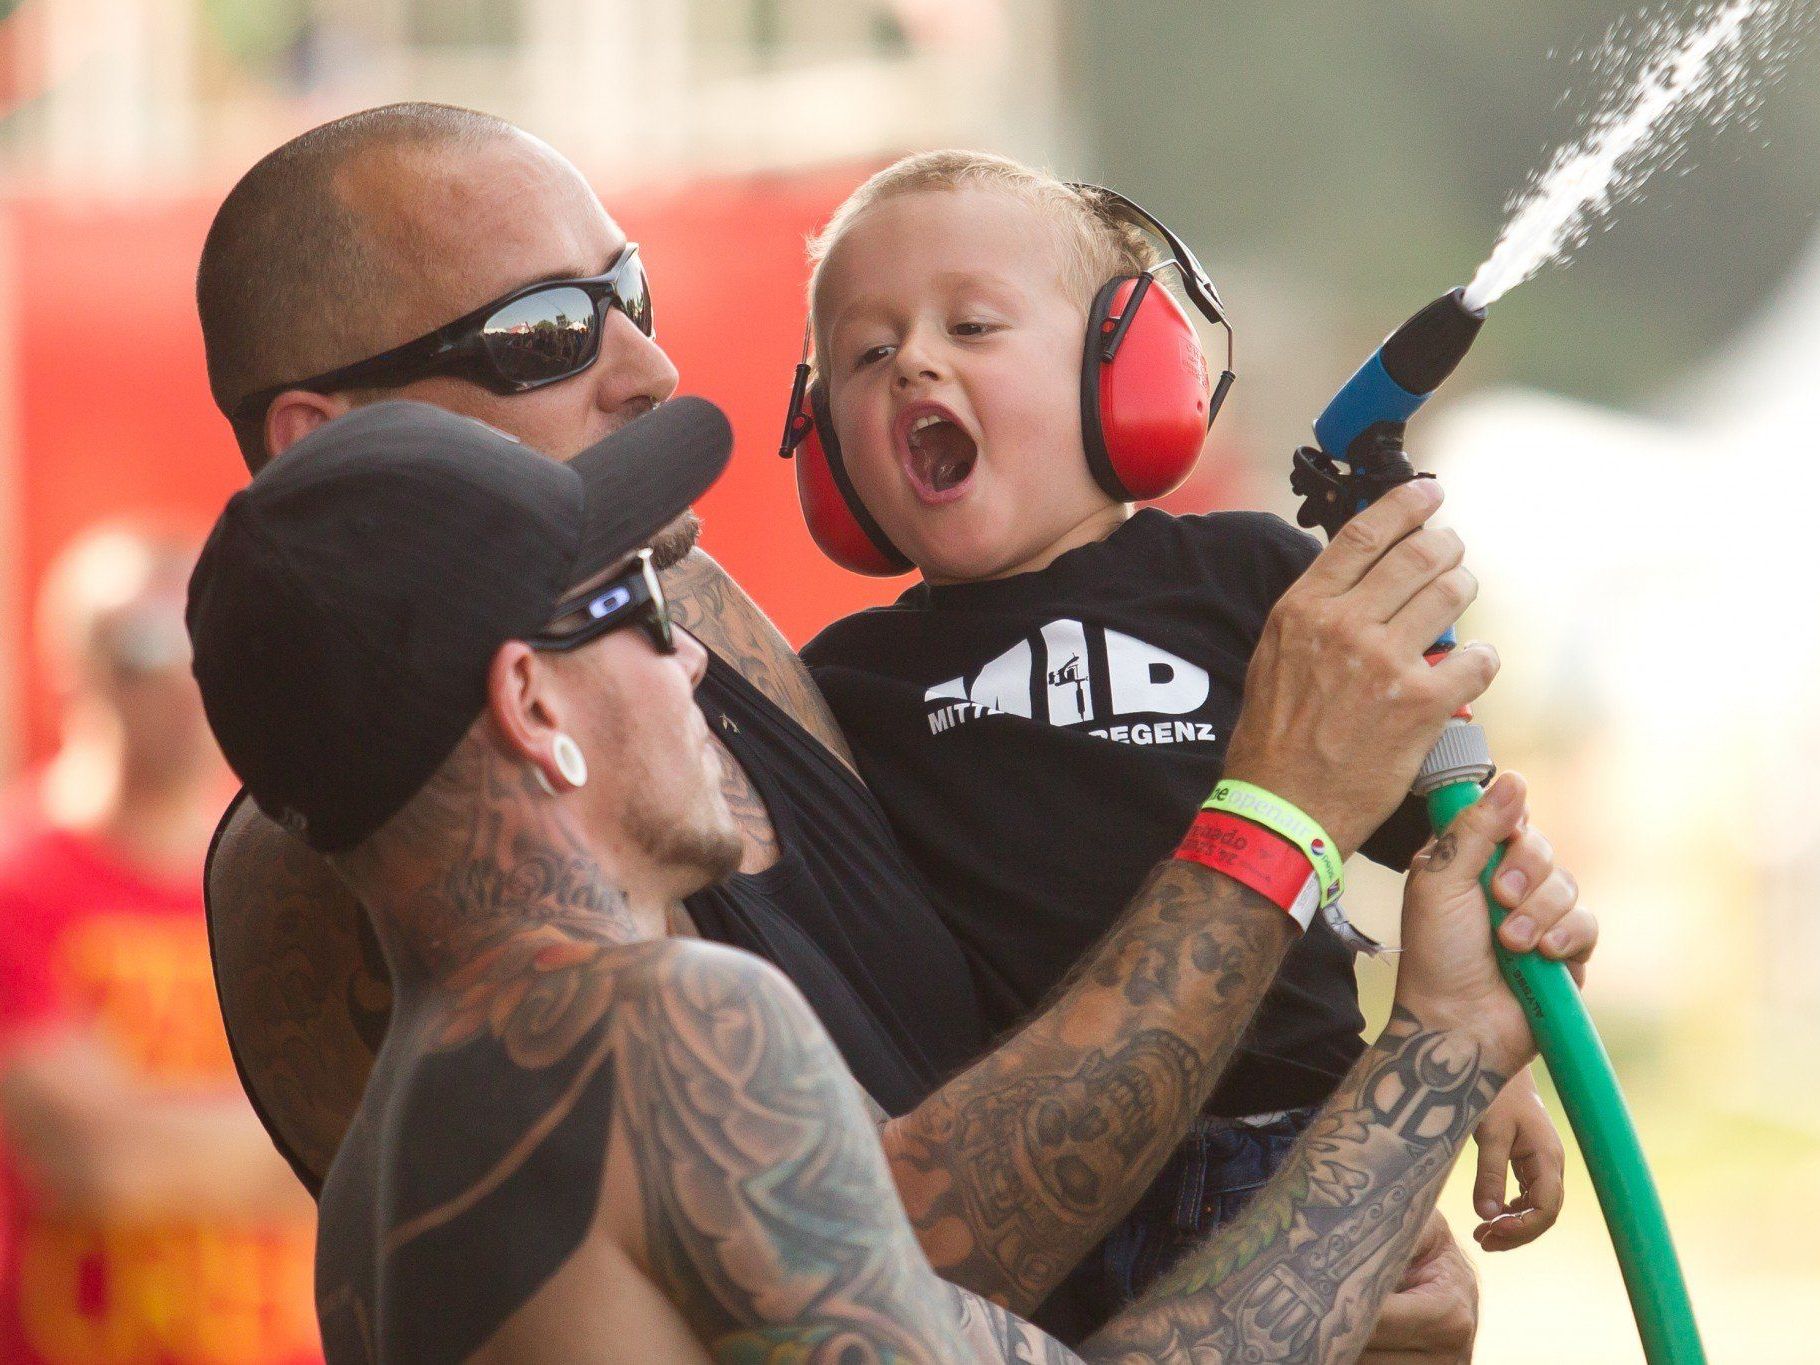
(1018, 1166)
(769, 1217)
(1302, 1273)
(716, 610)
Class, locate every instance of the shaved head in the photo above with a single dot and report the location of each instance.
(336, 246)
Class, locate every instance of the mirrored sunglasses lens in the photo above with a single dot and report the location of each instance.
(546, 335)
(633, 294)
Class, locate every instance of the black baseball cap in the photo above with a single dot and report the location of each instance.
(350, 600)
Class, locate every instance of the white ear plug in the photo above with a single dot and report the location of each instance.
(569, 760)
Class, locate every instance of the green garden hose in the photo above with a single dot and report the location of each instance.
(1601, 1121)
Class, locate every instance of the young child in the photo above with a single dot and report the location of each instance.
(1043, 714)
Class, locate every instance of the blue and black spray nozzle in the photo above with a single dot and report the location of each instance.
(1360, 456)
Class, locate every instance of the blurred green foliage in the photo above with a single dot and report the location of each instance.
(1371, 148)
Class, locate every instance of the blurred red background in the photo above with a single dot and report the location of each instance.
(113, 414)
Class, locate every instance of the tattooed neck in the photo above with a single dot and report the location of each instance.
(477, 858)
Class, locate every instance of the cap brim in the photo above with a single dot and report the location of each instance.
(645, 475)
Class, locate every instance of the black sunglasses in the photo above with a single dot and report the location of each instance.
(635, 598)
(535, 335)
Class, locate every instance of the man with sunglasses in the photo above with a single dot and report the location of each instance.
(584, 1139)
(428, 253)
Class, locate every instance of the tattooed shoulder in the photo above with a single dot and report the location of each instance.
(768, 1215)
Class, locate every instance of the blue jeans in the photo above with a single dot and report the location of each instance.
(1211, 1176)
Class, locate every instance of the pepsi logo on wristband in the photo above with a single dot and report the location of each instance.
(1267, 811)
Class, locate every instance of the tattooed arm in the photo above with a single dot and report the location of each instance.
(1012, 1170)
(712, 607)
(1302, 1274)
(767, 1217)
(303, 993)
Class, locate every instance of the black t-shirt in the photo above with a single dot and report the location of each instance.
(841, 913)
(1041, 741)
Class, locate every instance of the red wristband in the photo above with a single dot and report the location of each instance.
(1255, 857)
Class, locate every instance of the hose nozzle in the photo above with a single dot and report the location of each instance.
(1401, 374)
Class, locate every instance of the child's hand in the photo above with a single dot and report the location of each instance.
(1517, 1129)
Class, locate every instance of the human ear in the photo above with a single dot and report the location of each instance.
(295, 413)
(522, 711)
(524, 703)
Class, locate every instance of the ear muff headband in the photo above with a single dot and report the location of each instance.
(838, 521)
(1145, 395)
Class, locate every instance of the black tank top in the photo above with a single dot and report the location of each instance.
(841, 913)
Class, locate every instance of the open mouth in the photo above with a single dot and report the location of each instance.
(940, 455)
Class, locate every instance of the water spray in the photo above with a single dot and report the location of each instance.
(1718, 66)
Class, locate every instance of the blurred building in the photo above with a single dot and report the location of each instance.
(136, 93)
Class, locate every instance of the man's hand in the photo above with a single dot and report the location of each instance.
(1340, 706)
(1447, 976)
(1434, 1314)
(1517, 1133)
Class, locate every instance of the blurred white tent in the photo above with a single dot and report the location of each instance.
(1651, 585)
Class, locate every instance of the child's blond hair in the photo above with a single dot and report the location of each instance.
(1098, 243)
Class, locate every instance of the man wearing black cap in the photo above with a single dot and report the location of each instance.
(402, 252)
(411, 642)
(446, 664)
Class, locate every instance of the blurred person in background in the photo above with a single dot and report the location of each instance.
(147, 1218)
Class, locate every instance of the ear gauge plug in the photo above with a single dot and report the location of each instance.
(569, 760)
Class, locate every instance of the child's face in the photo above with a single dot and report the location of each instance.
(953, 355)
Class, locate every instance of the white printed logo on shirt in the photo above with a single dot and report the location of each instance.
(1058, 687)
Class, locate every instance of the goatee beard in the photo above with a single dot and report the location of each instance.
(670, 545)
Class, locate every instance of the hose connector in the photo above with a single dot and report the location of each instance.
(1461, 754)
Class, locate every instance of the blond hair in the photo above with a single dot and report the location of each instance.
(1098, 242)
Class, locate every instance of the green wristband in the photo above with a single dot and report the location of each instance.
(1279, 817)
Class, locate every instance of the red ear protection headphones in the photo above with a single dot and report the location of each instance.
(1146, 404)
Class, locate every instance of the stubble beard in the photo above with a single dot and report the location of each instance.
(704, 839)
(703, 845)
